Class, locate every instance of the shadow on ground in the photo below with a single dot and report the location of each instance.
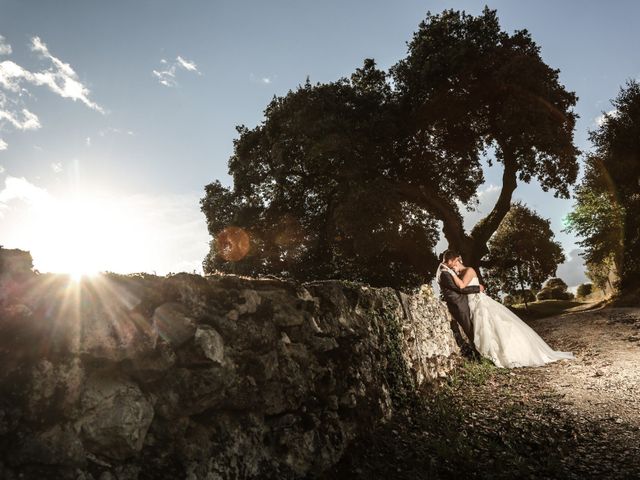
(572, 419)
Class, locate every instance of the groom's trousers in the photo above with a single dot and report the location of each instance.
(462, 315)
(458, 303)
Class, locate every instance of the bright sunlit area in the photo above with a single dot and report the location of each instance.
(83, 233)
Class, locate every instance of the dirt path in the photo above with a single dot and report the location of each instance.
(604, 382)
(572, 419)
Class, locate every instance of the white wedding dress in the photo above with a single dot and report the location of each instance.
(503, 338)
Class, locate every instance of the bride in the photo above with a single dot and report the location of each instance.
(498, 332)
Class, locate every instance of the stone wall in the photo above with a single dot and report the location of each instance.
(145, 377)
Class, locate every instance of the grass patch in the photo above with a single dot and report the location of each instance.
(473, 372)
(544, 308)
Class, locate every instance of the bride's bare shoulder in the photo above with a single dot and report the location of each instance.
(469, 271)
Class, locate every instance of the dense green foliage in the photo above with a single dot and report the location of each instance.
(309, 194)
(522, 253)
(554, 289)
(523, 296)
(349, 179)
(466, 85)
(602, 274)
(584, 289)
(607, 210)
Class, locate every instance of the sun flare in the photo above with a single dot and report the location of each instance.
(78, 274)
(83, 235)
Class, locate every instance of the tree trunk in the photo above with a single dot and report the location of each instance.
(524, 297)
(485, 228)
(488, 225)
(472, 247)
(323, 251)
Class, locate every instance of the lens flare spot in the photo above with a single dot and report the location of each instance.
(232, 244)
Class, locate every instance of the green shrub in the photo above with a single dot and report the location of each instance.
(555, 289)
(585, 289)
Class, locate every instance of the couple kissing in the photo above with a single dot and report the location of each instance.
(493, 331)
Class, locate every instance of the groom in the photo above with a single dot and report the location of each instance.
(456, 298)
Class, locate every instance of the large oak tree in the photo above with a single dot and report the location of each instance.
(466, 86)
(349, 179)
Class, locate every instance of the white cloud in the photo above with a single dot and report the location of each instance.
(1, 169)
(88, 141)
(109, 130)
(25, 120)
(22, 190)
(189, 66)
(599, 120)
(56, 167)
(5, 48)
(3, 146)
(265, 80)
(572, 271)
(167, 75)
(61, 79)
(58, 76)
(11, 74)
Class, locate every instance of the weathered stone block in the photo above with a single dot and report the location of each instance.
(173, 323)
(114, 416)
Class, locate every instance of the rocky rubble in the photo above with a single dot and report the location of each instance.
(136, 377)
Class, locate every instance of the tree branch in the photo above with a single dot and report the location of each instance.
(486, 227)
(446, 212)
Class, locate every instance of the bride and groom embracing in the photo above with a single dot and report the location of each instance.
(494, 330)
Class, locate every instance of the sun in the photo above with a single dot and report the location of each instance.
(83, 235)
(78, 273)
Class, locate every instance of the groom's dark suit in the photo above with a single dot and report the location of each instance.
(457, 302)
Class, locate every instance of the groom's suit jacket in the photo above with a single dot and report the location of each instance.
(457, 301)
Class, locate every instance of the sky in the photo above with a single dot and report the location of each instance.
(114, 115)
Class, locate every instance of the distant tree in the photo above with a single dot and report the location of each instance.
(509, 300)
(584, 289)
(608, 199)
(598, 218)
(526, 296)
(554, 289)
(349, 179)
(523, 253)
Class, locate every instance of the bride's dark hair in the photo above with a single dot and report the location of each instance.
(448, 255)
